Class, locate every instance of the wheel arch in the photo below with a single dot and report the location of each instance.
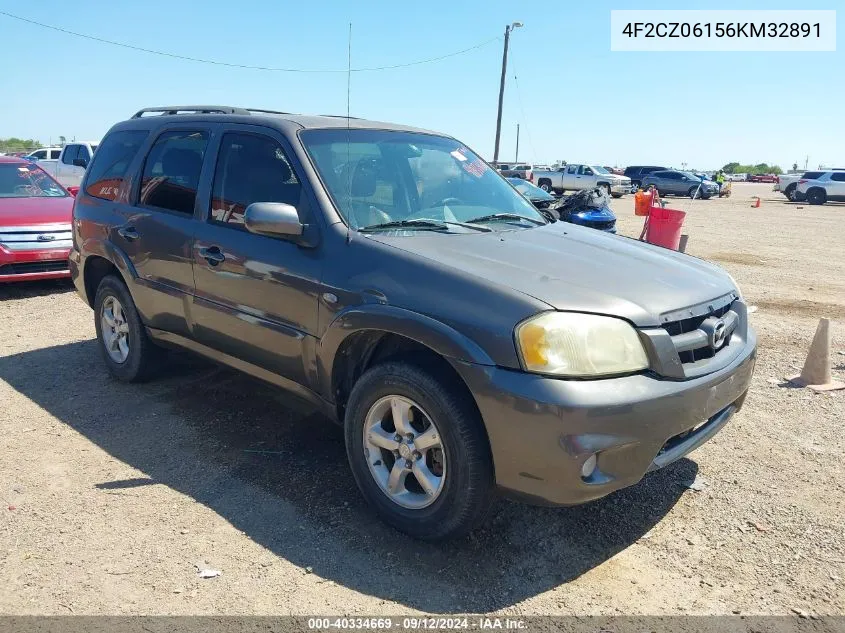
(361, 337)
(101, 259)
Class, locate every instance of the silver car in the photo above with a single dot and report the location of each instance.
(681, 183)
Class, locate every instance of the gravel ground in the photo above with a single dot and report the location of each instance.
(112, 494)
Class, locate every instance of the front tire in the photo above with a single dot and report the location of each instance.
(605, 189)
(128, 352)
(546, 185)
(418, 451)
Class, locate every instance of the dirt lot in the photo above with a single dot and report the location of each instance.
(111, 493)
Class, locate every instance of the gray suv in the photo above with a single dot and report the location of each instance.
(393, 279)
(680, 183)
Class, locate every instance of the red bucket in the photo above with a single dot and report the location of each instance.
(664, 227)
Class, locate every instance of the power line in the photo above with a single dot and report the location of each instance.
(525, 118)
(247, 66)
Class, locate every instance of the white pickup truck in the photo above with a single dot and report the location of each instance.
(71, 164)
(578, 177)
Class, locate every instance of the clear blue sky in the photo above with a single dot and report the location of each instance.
(579, 101)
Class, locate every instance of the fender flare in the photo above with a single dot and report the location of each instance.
(96, 247)
(437, 336)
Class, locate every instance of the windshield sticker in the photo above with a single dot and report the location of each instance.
(457, 155)
(476, 167)
(23, 169)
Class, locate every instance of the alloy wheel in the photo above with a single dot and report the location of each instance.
(115, 330)
(404, 451)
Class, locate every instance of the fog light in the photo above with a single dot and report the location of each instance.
(588, 467)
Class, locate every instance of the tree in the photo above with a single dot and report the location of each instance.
(731, 168)
(14, 144)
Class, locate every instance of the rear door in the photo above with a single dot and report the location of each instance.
(256, 296)
(570, 177)
(157, 231)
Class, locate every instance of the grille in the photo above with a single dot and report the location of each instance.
(682, 326)
(22, 268)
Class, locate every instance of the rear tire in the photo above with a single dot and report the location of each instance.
(462, 493)
(128, 352)
(789, 192)
(816, 196)
(546, 185)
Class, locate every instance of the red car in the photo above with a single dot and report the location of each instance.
(35, 218)
(762, 178)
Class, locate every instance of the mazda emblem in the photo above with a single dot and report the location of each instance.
(719, 331)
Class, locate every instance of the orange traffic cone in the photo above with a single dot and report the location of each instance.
(816, 373)
(756, 204)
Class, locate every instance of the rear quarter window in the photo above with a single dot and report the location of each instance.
(111, 162)
(812, 175)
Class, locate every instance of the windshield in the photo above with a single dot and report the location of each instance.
(526, 188)
(599, 170)
(26, 180)
(377, 176)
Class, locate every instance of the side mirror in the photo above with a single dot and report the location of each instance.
(275, 219)
(80, 162)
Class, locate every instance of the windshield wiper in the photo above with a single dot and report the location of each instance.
(504, 216)
(422, 223)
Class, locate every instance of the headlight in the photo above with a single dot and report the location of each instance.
(579, 345)
(736, 285)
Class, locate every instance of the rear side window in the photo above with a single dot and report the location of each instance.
(54, 154)
(71, 153)
(812, 175)
(172, 171)
(838, 176)
(249, 169)
(40, 154)
(107, 171)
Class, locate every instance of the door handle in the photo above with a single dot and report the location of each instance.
(128, 233)
(212, 255)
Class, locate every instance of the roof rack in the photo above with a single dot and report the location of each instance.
(201, 109)
(260, 111)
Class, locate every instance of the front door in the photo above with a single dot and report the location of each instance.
(256, 296)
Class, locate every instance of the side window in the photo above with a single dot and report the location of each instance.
(84, 153)
(572, 169)
(55, 153)
(71, 152)
(586, 171)
(838, 176)
(41, 154)
(250, 169)
(107, 171)
(172, 171)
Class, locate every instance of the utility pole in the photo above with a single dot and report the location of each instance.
(516, 156)
(508, 29)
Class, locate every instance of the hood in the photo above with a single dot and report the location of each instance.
(576, 268)
(32, 211)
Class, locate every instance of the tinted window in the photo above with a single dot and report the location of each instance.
(250, 169)
(812, 175)
(54, 154)
(41, 154)
(630, 171)
(649, 170)
(660, 174)
(84, 153)
(172, 171)
(838, 176)
(71, 152)
(107, 171)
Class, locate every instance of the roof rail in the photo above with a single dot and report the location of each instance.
(260, 111)
(200, 109)
(340, 116)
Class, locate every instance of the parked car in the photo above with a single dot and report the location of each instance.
(35, 213)
(464, 342)
(680, 183)
(71, 163)
(637, 172)
(827, 186)
(538, 197)
(515, 170)
(762, 178)
(44, 155)
(787, 184)
(736, 177)
(574, 177)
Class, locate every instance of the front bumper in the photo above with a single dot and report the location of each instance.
(33, 265)
(542, 430)
(621, 188)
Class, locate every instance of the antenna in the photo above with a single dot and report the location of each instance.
(351, 212)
